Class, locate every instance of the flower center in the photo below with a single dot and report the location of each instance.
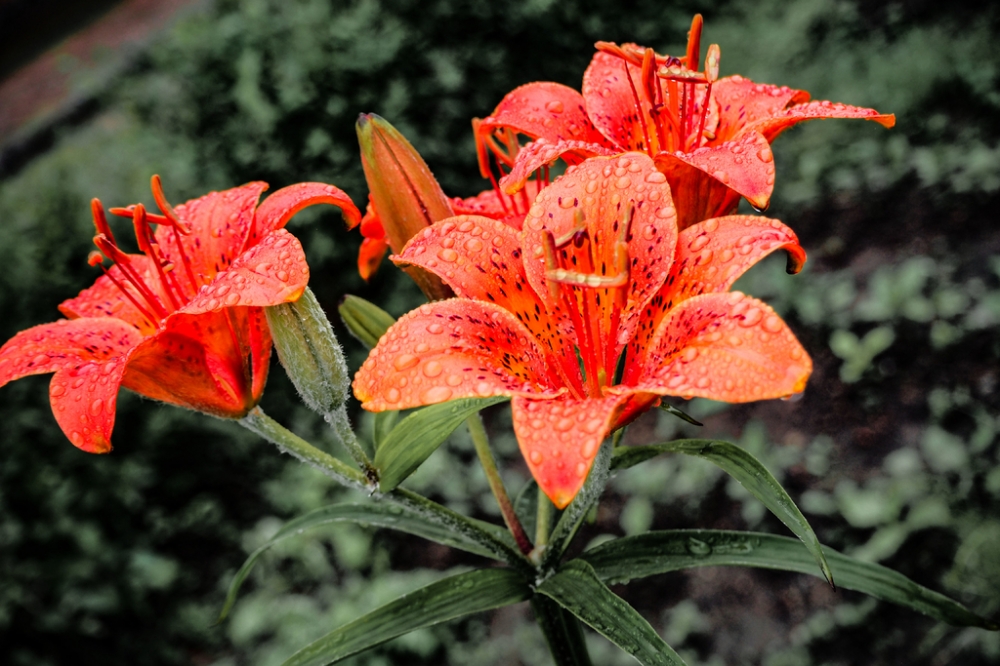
(152, 286)
(592, 295)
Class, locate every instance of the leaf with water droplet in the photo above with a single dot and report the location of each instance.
(746, 469)
(419, 434)
(652, 553)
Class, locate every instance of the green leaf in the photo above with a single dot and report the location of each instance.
(573, 515)
(577, 588)
(370, 513)
(562, 632)
(453, 597)
(526, 506)
(625, 559)
(748, 471)
(682, 415)
(382, 425)
(419, 434)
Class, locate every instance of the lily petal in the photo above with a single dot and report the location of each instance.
(196, 361)
(540, 110)
(88, 357)
(219, 223)
(273, 271)
(370, 255)
(491, 203)
(277, 209)
(608, 85)
(602, 190)
(104, 299)
(543, 152)
(559, 439)
(772, 127)
(723, 346)
(744, 165)
(450, 349)
(742, 103)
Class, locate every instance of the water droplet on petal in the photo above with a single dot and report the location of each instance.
(535, 457)
(392, 395)
(765, 154)
(405, 361)
(435, 328)
(699, 242)
(555, 106)
(772, 324)
(623, 182)
(473, 245)
(655, 177)
(433, 369)
(721, 176)
(689, 354)
(436, 394)
(96, 406)
(448, 254)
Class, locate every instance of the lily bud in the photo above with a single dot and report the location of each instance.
(310, 353)
(403, 191)
(365, 320)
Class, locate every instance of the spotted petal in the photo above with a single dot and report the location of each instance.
(775, 125)
(710, 257)
(542, 152)
(272, 272)
(492, 203)
(742, 103)
(451, 349)
(603, 190)
(87, 356)
(744, 166)
(610, 88)
(104, 299)
(724, 346)
(559, 439)
(540, 110)
(219, 223)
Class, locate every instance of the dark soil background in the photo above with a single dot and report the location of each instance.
(893, 451)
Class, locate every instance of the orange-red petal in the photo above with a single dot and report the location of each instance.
(560, 438)
(742, 103)
(603, 189)
(451, 349)
(271, 272)
(745, 165)
(772, 127)
(542, 152)
(611, 103)
(219, 224)
(490, 203)
(104, 299)
(543, 110)
(201, 362)
(87, 356)
(370, 255)
(724, 346)
(277, 209)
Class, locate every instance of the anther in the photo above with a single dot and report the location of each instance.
(694, 42)
(157, 186)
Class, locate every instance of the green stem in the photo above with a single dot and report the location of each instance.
(342, 427)
(288, 442)
(482, 444)
(543, 521)
(562, 632)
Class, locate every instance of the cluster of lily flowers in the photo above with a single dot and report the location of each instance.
(585, 298)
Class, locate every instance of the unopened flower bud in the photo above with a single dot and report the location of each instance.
(365, 320)
(310, 353)
(403, 191)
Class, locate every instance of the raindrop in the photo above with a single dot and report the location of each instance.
(555, 106)
(448, 254)
(698, 547)
(436, 394)
(405, 361)
(433, 369)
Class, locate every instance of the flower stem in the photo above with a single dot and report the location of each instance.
(337, 419)
(482, 444)
(543, 519)
(288, 442)
(562, 632)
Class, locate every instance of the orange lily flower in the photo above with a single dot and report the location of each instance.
(711, 137)
(589, 314)
(182, 322)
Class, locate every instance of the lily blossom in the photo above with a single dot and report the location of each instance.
(589, 314)
(711, 137)
(182, 322)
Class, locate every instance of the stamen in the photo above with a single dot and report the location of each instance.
(147, 244)
(100, 221)
(694, 42)
(150, 319)
(639, 111)
(95, 258)
(112, 252)
(161, 201)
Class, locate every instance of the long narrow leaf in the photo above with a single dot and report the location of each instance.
(572, 515)
(447, 599)
(625, 559)
(417, 436)
(577, 588)
(372, 514)
(746, 469)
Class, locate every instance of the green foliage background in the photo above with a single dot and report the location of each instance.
(893, 452)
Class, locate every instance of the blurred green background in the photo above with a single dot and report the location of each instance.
(893, 452)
